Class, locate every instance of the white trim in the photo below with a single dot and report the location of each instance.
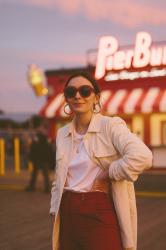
(116, 100)
(147, 104)
(105, 95)
(162, 105)
(129, 106)
(54, 106)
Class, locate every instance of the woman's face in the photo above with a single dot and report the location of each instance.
(79, 104)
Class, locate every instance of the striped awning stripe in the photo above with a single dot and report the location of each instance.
(120, 101)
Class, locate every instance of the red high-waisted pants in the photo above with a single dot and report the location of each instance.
(88, 222)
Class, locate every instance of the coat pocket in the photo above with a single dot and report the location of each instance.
(104, 158)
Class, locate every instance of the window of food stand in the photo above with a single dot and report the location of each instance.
(163, 132)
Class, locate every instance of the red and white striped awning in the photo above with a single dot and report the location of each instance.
(120, 101)
(54, 107)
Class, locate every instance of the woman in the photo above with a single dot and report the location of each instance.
(97, 160)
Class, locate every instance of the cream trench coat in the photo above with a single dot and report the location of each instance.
(113, 147)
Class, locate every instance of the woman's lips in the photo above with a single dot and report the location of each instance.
(78, 105)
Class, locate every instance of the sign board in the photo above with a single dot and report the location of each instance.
(110, 58)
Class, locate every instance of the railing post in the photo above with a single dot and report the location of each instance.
(17, 155)
(30, 166)
(2, 157)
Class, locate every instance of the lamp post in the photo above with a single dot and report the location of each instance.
(36, 80)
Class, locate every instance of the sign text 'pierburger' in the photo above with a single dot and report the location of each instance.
(144, 54)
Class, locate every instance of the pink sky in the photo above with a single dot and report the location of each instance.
(128, 13)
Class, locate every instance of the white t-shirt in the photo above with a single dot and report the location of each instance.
(82, 170)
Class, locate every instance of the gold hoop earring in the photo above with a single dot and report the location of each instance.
(67, 107)
(96, 108)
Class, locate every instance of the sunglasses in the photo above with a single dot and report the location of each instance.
(84, 91)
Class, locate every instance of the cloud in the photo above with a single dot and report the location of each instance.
(128, 13)
(58, 57)
(11, 55)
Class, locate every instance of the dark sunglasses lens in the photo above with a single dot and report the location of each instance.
(70, 92)
(85, 91)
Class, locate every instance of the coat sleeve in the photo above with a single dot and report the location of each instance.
(53, 189)
(135, 156)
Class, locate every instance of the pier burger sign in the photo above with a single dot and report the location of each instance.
(114, 64)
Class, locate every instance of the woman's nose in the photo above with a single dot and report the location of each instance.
(77, 95)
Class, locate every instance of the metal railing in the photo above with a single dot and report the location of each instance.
(14, 149)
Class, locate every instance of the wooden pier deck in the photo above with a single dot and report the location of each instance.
(25, 223)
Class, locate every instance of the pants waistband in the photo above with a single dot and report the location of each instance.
(98, 187)
(83, 195)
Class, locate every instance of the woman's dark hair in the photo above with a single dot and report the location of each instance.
(89, 78)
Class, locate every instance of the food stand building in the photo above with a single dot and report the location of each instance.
(133, 84)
